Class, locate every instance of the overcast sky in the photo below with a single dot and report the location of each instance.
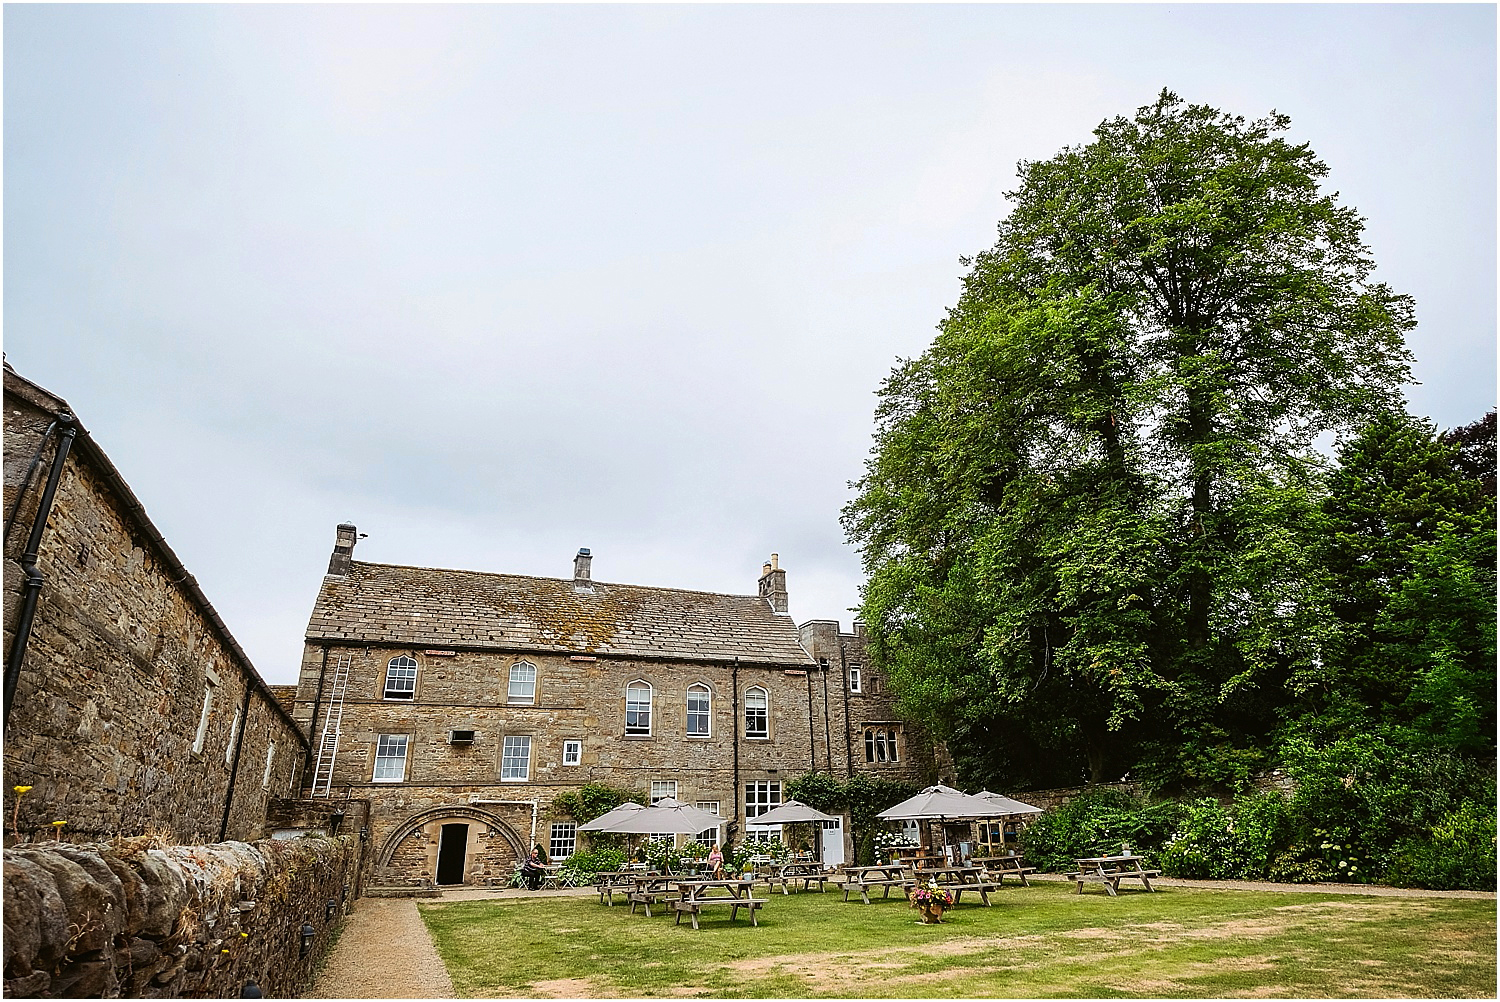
(495, 283)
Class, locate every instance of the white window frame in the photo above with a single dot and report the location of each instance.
(890, 737)
(509, 742)
(399, 663)
(639, 685)
(854, 680)
(761, 796)
(234, 733)
(765, 714)
(707, 713)
(661, 789)
(201, 738)
(708, 836)
(265, 779)
(563, 840)
(388, 743)
(575, 747)
(526, 696)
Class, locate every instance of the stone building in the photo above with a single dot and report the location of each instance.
(459, 704)
(129, 707)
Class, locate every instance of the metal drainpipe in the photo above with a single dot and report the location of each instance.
(36, 460)
(312, 727)
(734, 818)
(31, 588)
(848, 748)
(812, 741)
(234, 767)
(827, 725)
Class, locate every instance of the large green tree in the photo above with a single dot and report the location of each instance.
(1085, 519)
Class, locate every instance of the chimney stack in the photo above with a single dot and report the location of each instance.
(343, 549)
(773, 584)
(581, 569)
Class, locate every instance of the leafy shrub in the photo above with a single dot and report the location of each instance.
(583, 865)
(1263, 828)
(1300, 864)
(1457, 853)
(1203, 847)
(1095, 822)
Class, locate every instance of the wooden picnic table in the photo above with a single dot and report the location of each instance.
(920, 860)
(1110, 870)
(790, 873)
(959, 879)
(865, 877)
(693, 895)
(648, 889)
(1000, 867)
(608, 881)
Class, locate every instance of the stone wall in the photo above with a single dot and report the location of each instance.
(132, 920)
(108, 726)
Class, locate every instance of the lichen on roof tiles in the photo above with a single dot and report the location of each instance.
(387, 603)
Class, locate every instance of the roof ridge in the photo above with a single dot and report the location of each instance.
(538, 577)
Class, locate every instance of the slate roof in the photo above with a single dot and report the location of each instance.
(430, 607)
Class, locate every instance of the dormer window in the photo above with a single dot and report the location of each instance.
(522, 684)
(401, 678)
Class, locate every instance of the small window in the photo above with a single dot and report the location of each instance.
(564, 840)
(522, 684)
(201, 738)
(661, 789)
(638, 708)
(891, 746)
(709, 836)
(760, 798)
(460, 737)
(401, 678)
(572, 752)
(234, 733)
(265, 779)
(854, 680)
(698, 711)
(515, 759)
(869, 745)
(757, 713)
(390, 758)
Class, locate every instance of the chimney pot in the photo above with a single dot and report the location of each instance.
(773, 584)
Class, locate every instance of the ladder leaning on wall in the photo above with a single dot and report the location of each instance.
(328, 745)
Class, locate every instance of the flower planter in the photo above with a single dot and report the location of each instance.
(932, 913)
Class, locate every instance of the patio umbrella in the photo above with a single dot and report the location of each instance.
(611, 816)
(790, 813)
(943, 803)
(666, 816)
(1011, 806)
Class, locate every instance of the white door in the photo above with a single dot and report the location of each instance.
(832, 837)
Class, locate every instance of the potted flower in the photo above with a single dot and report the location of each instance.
(931, 900)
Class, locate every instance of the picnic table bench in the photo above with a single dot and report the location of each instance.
(649, 889)
(1110, 870)
(789, 873)
(958, 879)
(694, 895)
(863, 878)
(1000, 867)
(609, 881)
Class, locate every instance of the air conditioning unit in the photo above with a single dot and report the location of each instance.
(460, 737)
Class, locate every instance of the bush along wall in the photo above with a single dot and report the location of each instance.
(133, 919)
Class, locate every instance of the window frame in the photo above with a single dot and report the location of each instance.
(709, 836)
(200, 738)
(662, 783)
(265, 779)
(577, 746)
(855, 680)
(707, 713)
(529, 699)
(764, 734)
(505, 746)
(754, 788)
(639, 731)
(553, 839)
(386, 740)
(391, 666)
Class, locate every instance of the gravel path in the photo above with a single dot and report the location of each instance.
(384, 952)
(1373, 890)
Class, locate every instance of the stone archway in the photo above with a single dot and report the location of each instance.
(410, 855)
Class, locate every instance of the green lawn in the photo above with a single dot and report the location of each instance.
(1041, 941)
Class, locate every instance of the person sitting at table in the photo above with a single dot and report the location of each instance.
(716, 862)
(534, 869)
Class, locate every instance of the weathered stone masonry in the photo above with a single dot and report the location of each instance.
(108, 725)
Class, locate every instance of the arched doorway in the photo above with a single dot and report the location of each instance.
(450, 845)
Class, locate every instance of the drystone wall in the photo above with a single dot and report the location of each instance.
(132, 920)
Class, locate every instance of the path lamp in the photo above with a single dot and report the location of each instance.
(308, 932)
(251, 990)
(328, 909)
